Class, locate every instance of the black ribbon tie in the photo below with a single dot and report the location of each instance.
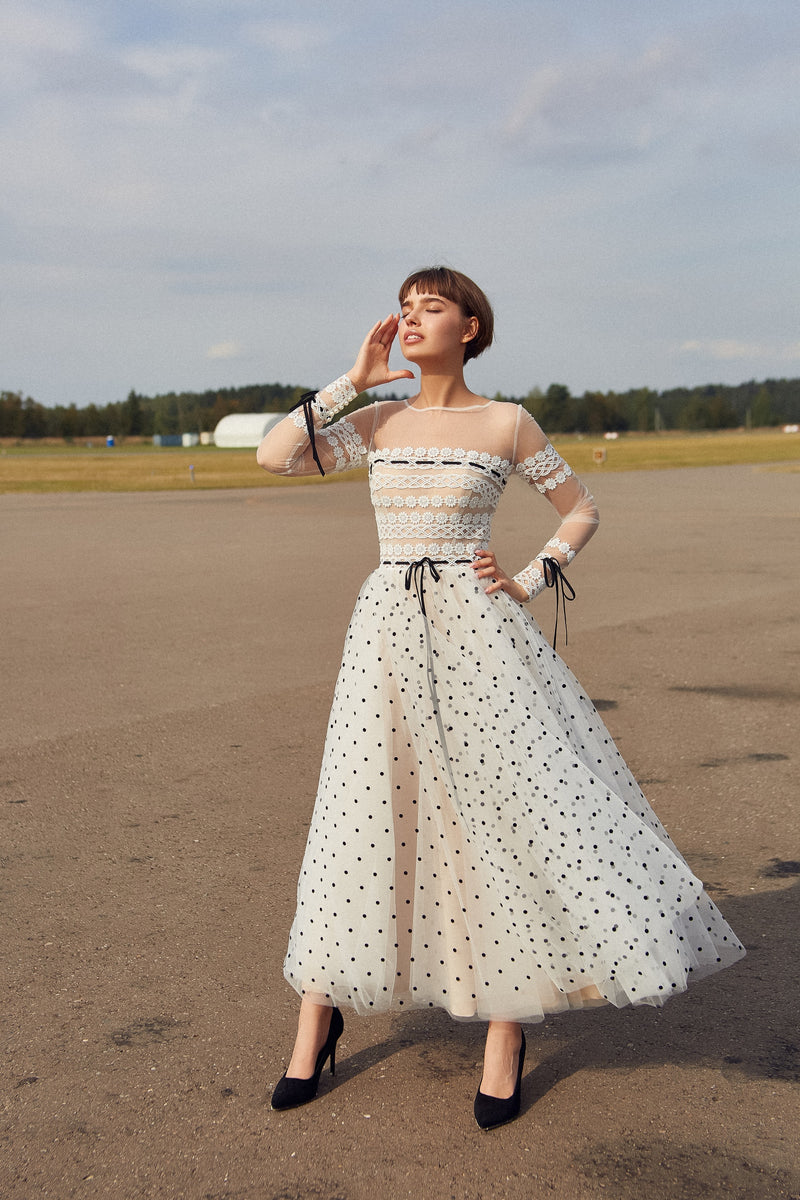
(305, 402)
(555, 578)
(415, 577)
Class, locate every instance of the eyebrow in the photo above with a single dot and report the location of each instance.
(425, 299)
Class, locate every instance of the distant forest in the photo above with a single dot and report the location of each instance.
(713, 406)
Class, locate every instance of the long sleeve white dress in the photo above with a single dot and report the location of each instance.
(478, 843)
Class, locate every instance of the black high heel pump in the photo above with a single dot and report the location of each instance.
(491, 1111)
(290, 1092)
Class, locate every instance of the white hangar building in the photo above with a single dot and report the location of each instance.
(244, 430)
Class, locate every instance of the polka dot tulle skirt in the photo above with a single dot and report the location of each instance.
(478, 844)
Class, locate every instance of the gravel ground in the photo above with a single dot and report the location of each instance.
(168, 661)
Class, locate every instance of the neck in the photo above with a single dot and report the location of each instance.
(443, 390)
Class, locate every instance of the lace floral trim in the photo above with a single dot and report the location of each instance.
(299, 417)
(555, 544)
(345, 443)
(341, 392)
(436, 550)
(426, 456)
(532, 579)
(488, 486)
(434, 525)
(541, 467)
(449, 500)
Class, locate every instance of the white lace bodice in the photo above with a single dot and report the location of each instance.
(436, 475)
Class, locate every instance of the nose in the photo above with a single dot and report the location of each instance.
(410, 317)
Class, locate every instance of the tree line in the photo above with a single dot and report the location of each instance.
(712, 406)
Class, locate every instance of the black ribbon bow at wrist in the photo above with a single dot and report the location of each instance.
(306, 402)
(555, 578)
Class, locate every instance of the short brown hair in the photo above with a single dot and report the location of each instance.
(452, 285)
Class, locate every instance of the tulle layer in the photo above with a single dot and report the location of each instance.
(478, 843)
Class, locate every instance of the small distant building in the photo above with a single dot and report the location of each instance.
(244, 430)
(190, 439)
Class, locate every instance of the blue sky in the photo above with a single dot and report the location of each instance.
(201, 194)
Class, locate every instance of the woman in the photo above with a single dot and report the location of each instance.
(477, 843)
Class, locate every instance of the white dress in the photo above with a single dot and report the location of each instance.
(477, 844)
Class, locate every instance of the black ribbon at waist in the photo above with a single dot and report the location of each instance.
(554, 578)
(415, 577)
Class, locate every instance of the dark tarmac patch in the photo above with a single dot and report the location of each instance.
(237, 1195)
(738, 691)
(446, 1061)
(781, 868)
(662, 1170)
(716, 889)
(758, 756)
(306, 1192)
(781, 1061)
(605, 705)
(147, 1031)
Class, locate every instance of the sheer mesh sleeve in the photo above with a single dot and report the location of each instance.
(287, 449)
(540, 464)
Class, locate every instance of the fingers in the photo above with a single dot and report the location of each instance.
(485, 567)
(372, 363)
(485, 564)
(384, 332)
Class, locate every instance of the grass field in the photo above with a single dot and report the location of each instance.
(58, 467)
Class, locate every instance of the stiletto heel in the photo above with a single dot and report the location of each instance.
(291, 1092)
(491, 1111)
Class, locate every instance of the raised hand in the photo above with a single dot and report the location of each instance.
(372, 365)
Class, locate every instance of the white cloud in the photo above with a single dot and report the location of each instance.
(724, 349)
(225, 350)
(614, 97)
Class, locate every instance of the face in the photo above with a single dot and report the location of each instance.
(434, 328)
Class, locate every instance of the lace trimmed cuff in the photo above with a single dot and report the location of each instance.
(532, 579)
(341, 391)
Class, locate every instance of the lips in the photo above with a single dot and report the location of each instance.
(412, 337)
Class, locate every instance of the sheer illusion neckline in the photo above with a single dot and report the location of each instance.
(447, 407)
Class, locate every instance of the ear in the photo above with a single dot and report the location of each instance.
(471, 327)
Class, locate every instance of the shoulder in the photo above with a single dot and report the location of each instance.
(383, 410)
(529, 425)
(515, 423)
(366, 420)
(532, 447)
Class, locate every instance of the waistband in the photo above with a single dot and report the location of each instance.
(437, 562)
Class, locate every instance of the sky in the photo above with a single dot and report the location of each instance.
(199, 194)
